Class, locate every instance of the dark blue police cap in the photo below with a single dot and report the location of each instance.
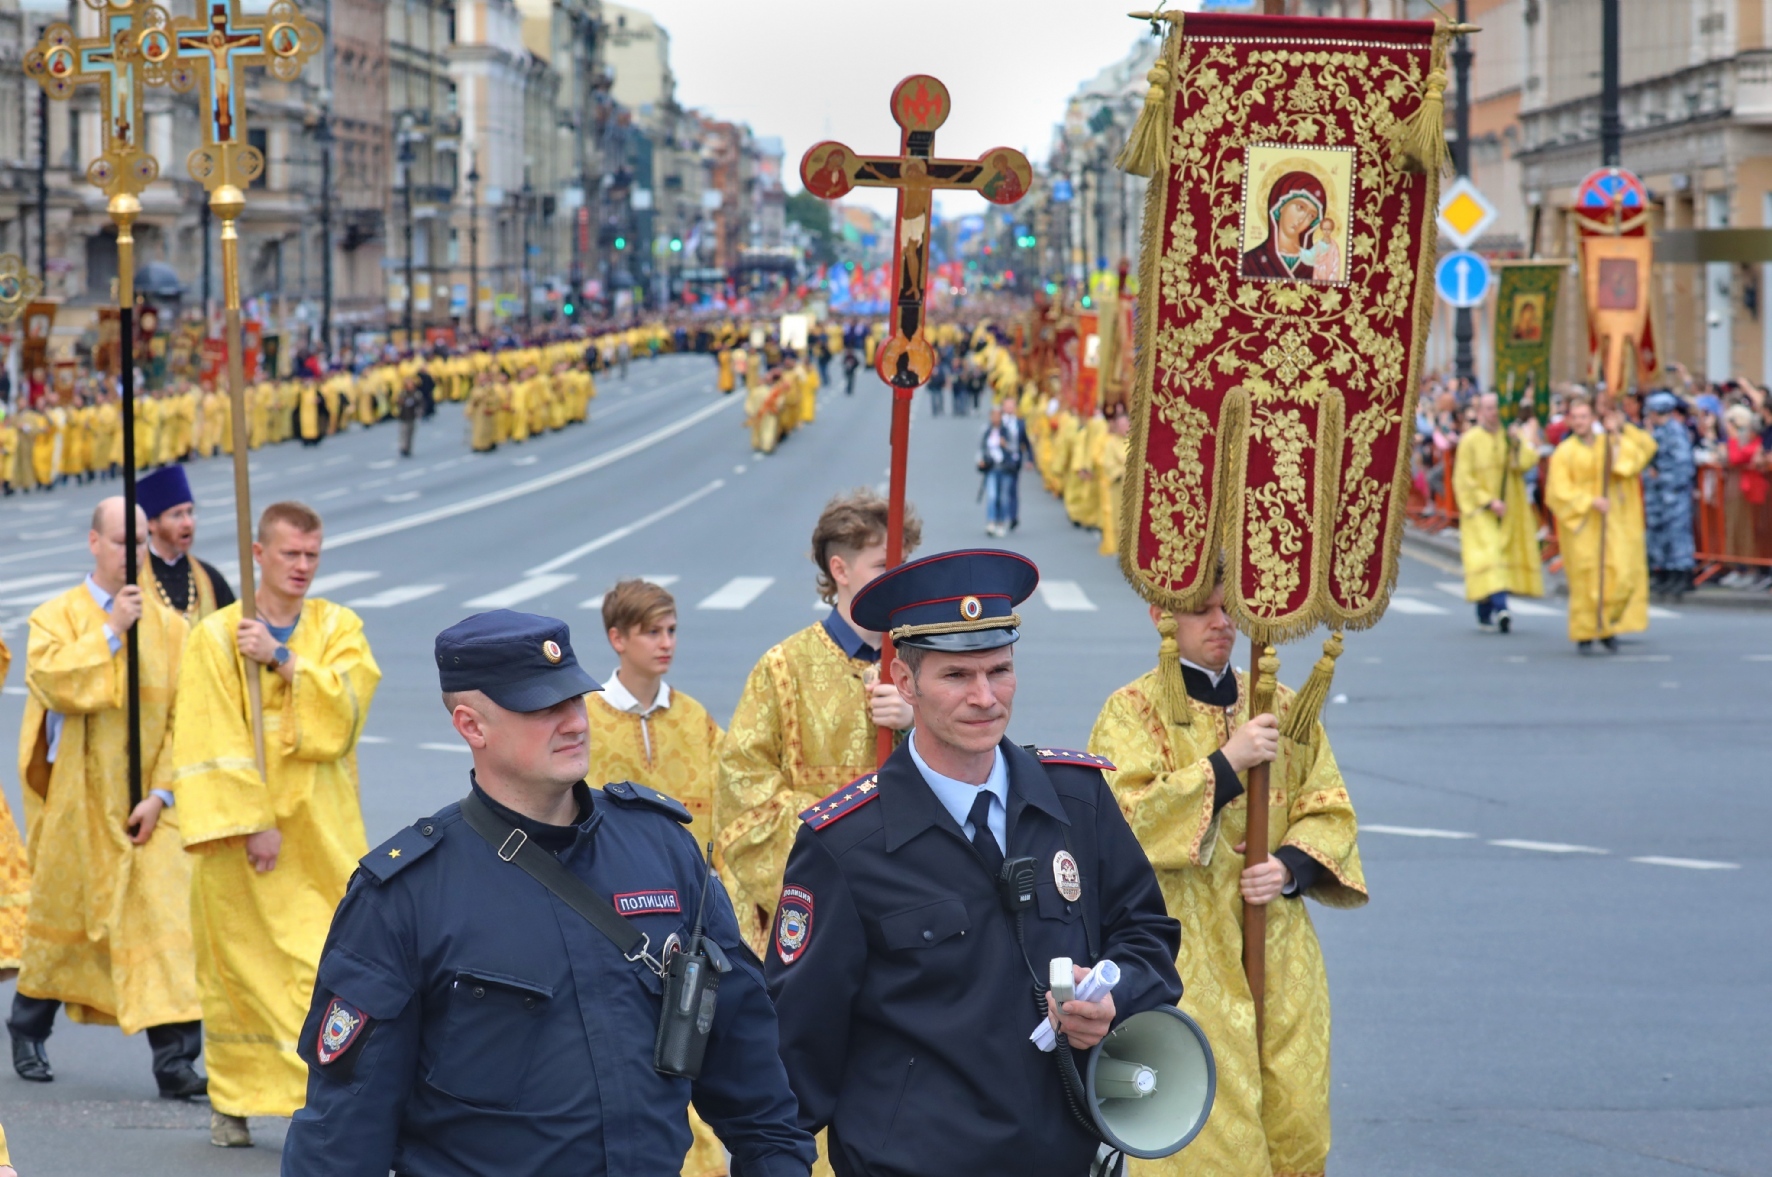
(954, 601)
(521, 661)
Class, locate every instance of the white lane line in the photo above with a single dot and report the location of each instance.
(1642, 657)
(447, 748)
(405, 496)
(39, 595)
(1663, 614)
(596, 602)
(372, 739)
(16, 691)
(1413, 831)
(53, 533)
(418, 473)
(1686, 863)
(1402, 604)
(1516, 605)
(371, 485)
(1756, 657)
(736, 593)
(566, 474)
(338, 461)
(524, 590)
(335, 492)
(384, 464)
(620, 533)
(1544, 847)
(1065, 596)
(59, 549)
(388, 598)
(334, 581)
(528, 460)
(301, 469)
(65, 579)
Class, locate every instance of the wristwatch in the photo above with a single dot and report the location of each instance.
(280, 655)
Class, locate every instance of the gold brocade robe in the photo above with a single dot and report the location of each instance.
(675, 750)
(109, 925)
(1081, 500)
(1110, 479)
(1576, 477)
(15, 871)
(801, 730)
(259, 936)
(1061, 443)
(1500, 555)
(1271, 1114)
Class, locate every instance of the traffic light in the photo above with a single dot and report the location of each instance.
(676, 245)
(621, 243)
(1026, 241)
(567, 308)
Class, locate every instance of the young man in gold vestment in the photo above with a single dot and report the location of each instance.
(1600, 510)
(807, 721)
(108, 932)
(1180, 788)
(1497, 527)
(273, 852)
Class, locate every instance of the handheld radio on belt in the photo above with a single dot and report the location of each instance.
(691, 983)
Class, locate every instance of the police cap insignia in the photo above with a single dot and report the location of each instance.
(551, 651)
(793, 923)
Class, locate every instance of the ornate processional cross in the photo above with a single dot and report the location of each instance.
(830, 170)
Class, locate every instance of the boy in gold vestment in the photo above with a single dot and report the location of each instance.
(273, 852)
(1178, 784)
(1497, 528)
(108, 932)
(806, 722)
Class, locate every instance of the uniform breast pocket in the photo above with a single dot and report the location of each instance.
(490, 1029)
(925, 926)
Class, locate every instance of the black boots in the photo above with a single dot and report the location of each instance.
(31, 1061)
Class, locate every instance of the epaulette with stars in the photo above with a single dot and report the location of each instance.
(1072, 756)
(843, 802)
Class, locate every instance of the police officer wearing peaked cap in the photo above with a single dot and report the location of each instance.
(906, 988)
(467, 1020)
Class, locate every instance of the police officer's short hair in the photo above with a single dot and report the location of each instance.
(851, 523)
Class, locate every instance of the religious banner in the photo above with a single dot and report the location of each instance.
(106, 353)
(1613, 202)
(1088, 380)
(1615, 279)
(1287, 288)
(39, 322)
(1525, 313)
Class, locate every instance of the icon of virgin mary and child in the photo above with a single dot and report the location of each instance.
(1301, 232)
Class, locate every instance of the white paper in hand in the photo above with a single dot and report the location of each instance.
(1097, 985)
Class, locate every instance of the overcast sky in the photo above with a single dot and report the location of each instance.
(808, 70)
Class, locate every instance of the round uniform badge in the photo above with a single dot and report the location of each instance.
(971, 608)
(1066, 876)
(550, 650)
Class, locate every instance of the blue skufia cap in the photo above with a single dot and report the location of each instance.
(163, 490)
(521, 661)
(953, 601)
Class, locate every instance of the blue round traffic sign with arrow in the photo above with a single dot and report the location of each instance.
(1463, 278)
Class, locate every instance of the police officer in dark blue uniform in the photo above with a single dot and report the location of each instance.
(467, 1020)
(922, 906)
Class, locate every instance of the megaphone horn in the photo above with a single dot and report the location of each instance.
(1151, 1083)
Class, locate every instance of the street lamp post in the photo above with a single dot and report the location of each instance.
(323, 136)
(523, 268)
(474, 249)
(1463, 331)
(406, 157)
(1611, 126)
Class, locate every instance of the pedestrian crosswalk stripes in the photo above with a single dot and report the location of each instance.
(1518, 606)
(596, 602)
(526, 589)
(333, 581)
(1402, 604)
(388, 598)
(736, 593)
(1065, 596)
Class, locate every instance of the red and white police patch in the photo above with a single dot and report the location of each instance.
(634, 903)
(343, 1024)
(793, 923)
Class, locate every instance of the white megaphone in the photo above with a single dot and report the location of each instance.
(1150, 1083)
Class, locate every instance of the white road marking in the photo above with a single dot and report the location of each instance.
(336, 492)
(334, 581)
(384, 464)
(565, 474)
(338, 461)
(1544, 847)
(53, 533)
(1756, 657)
(36, 596)
(65, 579)
(1402, 604)
(371, 485)
(1065, 596)
(301, 469)
(1642, 658)
(400, 595)
(405, 496)
(15, 557)
(418, 473)
(1413, 831)
(447, 748)
(372, 739)
(524, 590)
(1686, 863)
(620, 533)
(17, 691)
(736, 593)
(1663, 614)
(529, 460)
(596, 602)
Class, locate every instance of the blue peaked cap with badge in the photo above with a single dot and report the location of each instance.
(953, 601)
(522, 662)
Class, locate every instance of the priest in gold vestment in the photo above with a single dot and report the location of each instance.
(272, 853)
(1180, 785)
(1589, 501)
(1497, 527)
(15, 872)
(108, 930)
(807, 720)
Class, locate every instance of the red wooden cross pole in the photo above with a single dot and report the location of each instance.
(830, 170)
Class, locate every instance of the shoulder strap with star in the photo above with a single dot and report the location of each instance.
(1071, 756)
(843, 802)
(637, 796)
(401, 850)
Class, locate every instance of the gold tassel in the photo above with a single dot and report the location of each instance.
(1421, 138)
(1307, 706)
(1143, 153)
(1171, 689)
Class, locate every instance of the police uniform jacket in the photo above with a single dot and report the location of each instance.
(465, 1021)
(904, 998)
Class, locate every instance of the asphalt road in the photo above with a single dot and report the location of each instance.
(1557, 973)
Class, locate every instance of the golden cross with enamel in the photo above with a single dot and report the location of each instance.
(18, 287)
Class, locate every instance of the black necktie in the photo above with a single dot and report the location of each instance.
(983, 840)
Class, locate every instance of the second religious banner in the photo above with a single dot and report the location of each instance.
(1525, 313)
(1287, 276)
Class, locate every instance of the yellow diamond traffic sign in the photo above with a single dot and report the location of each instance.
(1465, 212)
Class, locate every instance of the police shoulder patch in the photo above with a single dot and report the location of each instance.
(401, 850)
(843, 802)
(1071, 756)
(636, 796)
(793, 922)
(340, 1027)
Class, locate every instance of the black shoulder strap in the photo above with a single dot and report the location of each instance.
(513, 846)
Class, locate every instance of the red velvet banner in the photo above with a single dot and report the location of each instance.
(1287, 284)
